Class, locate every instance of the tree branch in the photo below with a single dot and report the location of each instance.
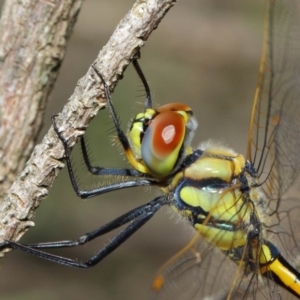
(33, 183)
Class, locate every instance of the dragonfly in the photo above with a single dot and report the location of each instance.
(244, 209)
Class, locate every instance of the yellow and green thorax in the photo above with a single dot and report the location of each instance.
(209, 193)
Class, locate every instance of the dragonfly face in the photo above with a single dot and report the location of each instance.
(246, 221)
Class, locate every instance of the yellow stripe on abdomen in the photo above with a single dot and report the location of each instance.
(286, 275)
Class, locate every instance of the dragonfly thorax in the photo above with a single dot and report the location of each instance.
(209, 193)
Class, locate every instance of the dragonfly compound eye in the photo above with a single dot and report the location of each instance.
(162, 142)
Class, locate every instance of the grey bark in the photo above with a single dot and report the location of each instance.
(33, 40)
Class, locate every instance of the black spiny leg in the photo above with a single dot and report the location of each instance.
(148, 101)
(136, 219)
(136, 163)
(102, 171)
(139, 181)
(105, 171)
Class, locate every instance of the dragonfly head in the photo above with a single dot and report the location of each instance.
(161, 137)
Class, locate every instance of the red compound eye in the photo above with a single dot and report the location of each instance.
(167, 131)
(162, 142)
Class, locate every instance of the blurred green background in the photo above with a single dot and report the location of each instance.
(204, 53)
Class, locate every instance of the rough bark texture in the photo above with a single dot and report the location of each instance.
(33, 40)
(32, 184)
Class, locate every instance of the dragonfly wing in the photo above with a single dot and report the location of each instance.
(194, 273)
(202, 271)
(274, 133)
